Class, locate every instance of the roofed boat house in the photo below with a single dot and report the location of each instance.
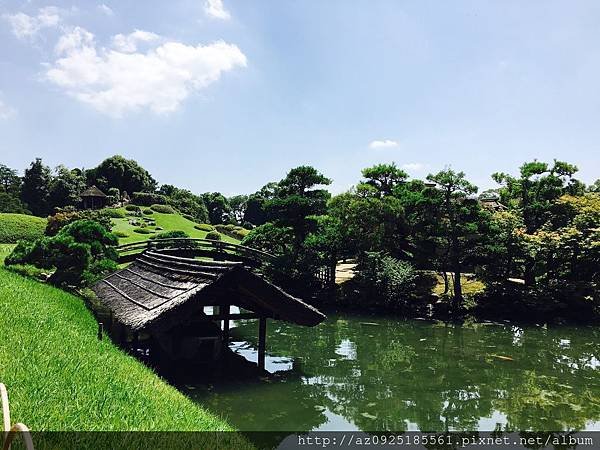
(185, 304)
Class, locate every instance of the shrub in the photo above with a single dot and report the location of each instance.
(213, 236)
(188, 217)
(120, 234)
(72, 253)
(172, 234)
(67, 216)
(133, 208)
(233, 231)
(148, 211)
(386, 280)
(141, 230)
(247, 225)
(165, 209)
(28, 270)
(204, 227)
(148, 198)
(16, 227)
(113, 213)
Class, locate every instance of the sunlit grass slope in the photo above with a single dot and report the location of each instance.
(168, 222)
(61, 377)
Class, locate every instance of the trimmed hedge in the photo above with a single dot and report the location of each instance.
(204, 227)
(172, 234)
(214, 236)
(16, 227)
(133, 208)
(148, 211)
(164, 209)
(141, 230)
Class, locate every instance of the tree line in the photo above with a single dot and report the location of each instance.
(534, 240)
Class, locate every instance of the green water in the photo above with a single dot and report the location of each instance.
(369, 373)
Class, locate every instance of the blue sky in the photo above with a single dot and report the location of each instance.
(228, 95)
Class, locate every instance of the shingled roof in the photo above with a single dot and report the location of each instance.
(160, 291)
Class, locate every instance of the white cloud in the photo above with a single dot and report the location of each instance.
(27, 27)
(6, 112)
(413, 167)
(116, 82)
(128, 43)
(106, 9)
(385, 143)
(215, 8)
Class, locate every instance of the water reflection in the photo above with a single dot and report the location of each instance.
(365, 373)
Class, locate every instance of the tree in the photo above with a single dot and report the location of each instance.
(11, 204)
(369, 223)
(255, 212)
(66, 187)
(595, 187)
(238, 203)
(123, 174)
(384, 178)
(533, 193)
(10, 182)
(458, 220)
(35, 190)
(296, 198)
(217, 206)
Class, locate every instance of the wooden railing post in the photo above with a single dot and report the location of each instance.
(262, 342)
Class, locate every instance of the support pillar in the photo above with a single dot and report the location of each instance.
(224, 311)
(262, 340)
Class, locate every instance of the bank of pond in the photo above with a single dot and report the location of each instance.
(354, 371)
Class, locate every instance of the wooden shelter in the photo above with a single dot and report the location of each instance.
(93, 198)
(179, 300)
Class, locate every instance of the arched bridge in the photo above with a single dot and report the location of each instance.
(191, 248)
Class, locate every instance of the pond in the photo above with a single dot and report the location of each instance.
(369, 373)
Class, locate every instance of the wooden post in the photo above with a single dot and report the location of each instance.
(262, 338)
(224, 311)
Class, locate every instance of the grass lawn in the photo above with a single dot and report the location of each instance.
(14, 227)
(168, 222)
(61, 377)
(469, 284)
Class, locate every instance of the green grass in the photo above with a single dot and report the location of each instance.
(14, 227)
(5, 250)
(168, 222)
(470, 286)
(61, 377)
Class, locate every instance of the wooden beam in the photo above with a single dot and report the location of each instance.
(262, 339)
(215, 317)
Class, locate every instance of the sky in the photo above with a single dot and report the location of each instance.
(227, 95)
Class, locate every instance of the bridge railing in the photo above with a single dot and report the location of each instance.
(200, 246)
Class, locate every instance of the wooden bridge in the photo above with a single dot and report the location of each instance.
(192, 248)
(217, 251)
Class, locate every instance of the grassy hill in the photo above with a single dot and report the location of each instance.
(168, 222)
(14, 227)
(61, 377)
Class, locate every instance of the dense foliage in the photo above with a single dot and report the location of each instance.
(80, 253)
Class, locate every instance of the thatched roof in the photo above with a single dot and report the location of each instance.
(93, 191)
(159, 291)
